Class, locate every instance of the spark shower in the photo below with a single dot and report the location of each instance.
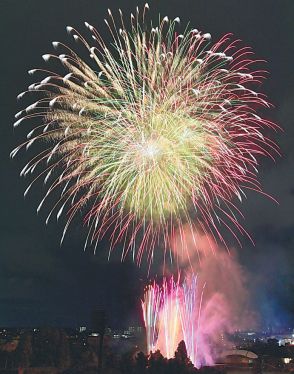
(158, 131)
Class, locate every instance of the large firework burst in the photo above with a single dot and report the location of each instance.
(165, 133)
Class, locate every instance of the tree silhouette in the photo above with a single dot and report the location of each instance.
(181, 354)
(141, 363)
(157, 363)
(127, 363)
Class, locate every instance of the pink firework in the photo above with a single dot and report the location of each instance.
(172, 313)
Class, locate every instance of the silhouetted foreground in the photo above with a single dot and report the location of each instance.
(50, 350)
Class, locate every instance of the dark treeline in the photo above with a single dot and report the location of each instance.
(52, 349)
(155, 363)
(49, 347)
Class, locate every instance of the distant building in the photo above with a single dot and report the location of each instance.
(238, 357)
(286, 341)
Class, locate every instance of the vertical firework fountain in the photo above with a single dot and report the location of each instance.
(191, 317)
(151, 308)
(172, 313)
(170, 332)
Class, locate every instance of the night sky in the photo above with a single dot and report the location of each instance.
(43, 283)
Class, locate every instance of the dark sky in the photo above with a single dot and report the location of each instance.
(43, 283)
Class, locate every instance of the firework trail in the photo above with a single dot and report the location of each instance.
(191, 319)
(169, 329)
(151, 307)
(165, 134)
(173, 314)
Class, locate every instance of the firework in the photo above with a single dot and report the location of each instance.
(169, 322)
(191, 320)
(159, 130)
(151, 307)
(173, 314)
